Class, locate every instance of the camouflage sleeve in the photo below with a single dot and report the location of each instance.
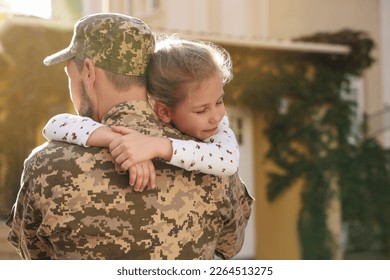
(24, 221)
(236, 212)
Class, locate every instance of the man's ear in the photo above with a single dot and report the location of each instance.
(89, 74)
(163, 112)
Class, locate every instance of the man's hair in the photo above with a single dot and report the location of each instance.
(121, 82)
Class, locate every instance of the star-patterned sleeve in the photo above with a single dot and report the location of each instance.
(70, 128)
(218, 155)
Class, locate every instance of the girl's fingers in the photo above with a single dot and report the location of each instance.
(152, 175)
(121, 129)
(133, 175)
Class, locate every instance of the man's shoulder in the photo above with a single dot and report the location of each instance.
(59, 154)
(38, 153)
(52, 149)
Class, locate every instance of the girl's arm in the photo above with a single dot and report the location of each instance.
(218, 156)
(77, 130)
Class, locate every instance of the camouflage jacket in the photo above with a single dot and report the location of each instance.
(75, 203)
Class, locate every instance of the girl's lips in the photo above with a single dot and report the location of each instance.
(213, 130)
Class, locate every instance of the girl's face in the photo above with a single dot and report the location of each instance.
(200, 113)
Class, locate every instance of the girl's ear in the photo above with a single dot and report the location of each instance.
(163, 112)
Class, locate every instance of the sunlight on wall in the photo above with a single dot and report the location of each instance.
(40, 8)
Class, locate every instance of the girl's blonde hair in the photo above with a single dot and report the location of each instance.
(179, 66)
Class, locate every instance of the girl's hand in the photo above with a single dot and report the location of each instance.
(142, 175)
(134, 147)
(133, 152)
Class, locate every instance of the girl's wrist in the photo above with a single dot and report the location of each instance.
(165, 149)
(102, 137)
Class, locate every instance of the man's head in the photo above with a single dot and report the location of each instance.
(111, 53)
(114, 42)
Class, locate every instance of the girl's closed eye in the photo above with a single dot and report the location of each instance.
(201, 111)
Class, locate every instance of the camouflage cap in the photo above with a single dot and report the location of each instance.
(114, 42)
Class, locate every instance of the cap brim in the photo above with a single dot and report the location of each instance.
(60, 56)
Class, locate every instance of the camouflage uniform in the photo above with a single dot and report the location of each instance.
(75, 203)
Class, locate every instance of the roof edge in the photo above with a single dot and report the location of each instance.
(264, 43)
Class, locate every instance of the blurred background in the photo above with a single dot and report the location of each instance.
(309, 104)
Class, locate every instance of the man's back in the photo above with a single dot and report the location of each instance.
(80, 206)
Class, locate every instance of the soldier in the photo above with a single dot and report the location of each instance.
(75, 203)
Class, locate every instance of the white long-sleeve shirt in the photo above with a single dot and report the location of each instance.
(217, 155)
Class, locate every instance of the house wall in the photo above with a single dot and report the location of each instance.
(289, 19)
(276, 222)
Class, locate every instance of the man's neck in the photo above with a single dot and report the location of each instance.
(115, 98)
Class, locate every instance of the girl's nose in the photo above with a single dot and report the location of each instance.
(214, 117)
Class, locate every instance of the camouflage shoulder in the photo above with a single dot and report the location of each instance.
(40, 152)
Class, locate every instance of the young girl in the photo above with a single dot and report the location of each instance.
(185, 83)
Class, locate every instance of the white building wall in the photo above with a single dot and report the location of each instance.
(385, 50)
(177, 15)
(190, 15)
(199, 15)
(92, 7)
(233, 17)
